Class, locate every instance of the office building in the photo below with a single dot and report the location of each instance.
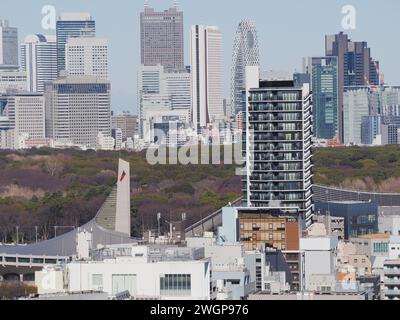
(245, 53)
(161, 35)
(72, 25)
(325, 97)
(77, 109)
(39, 61)
(361, 218)
(207, 75)
(126, 122)
(356, 67)
(389, 224)
(12, 81)
(277, 137)
(26, 116)
(163, 93)
(87, 56)
(355, 107)
(8, 45)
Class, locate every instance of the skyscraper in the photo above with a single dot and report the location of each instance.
(278, 141)
(26, 114)
(163, 91)
(87, 56)
(39, 60)
(77, 109)
(245, 53)
(72, 25)
(325, 97)
(207, 75)
(8, 45)
(356, 107)
(355, 67)
(161, 35)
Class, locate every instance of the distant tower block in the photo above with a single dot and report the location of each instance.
(123, 211)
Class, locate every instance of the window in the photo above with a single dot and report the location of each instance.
(97, 280)
(176, 285)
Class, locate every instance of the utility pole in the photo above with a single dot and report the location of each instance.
(17, 227)
(36, 233)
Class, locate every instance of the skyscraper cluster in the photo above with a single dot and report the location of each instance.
(61, 84)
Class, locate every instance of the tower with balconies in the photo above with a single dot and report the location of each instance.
(277, 143)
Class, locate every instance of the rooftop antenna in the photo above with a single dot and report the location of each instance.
(146, 3)
(176, 3)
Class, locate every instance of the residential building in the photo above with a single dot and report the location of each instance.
(87, 56)
(372, 245)
(333, 225)
(207, 75)
(245, 53)
(39, 61)
(8, 45)
(161, 35)
(77, 109)
(325, 97)
(71, 25)
(391, 281)
(278, 140)
(360, 218)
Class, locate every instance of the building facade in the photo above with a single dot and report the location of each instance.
(355, 67)
(8, 45)
(245, 53)
(77, 109)
(161, 35)
(39, 61)
(360, 218)
(207, 75)
(68, 26)
(87, 56)
(355, 107)
(325, 97)
(278, 161)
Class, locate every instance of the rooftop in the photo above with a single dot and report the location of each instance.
(375, 236)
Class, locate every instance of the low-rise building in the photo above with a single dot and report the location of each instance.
(160, 272)
(391, 272)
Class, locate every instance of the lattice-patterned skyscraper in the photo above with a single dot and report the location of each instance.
(245, 53)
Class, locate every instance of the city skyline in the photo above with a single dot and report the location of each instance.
(125, 36)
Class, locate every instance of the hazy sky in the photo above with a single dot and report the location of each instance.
(287, 30)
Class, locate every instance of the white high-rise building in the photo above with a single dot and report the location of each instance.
(245, 53)
(8, 45)
(12, 80)
(87, 56)
(39, 60)
(77, 109)
(207, 75)
(356, 106)
(163, 91)
(26, 115)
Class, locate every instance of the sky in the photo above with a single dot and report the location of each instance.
(287, 30)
